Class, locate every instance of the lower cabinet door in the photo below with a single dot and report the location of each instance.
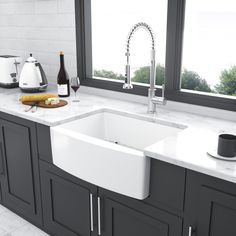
(67, 206)
(20, 183)
(120, 220)
(210, 207)
(0, 193)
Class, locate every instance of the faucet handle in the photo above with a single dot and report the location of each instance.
(159, 100)
(163, 91)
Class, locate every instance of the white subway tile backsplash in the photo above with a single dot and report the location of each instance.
(59, 34)
(21, 1)
(18, 8)
(54, 20)
(66, 6)
(46, 7)
(41, 27)
(17, 20)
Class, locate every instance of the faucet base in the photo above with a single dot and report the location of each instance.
(127, 86)
(154, 100)
(151, 95)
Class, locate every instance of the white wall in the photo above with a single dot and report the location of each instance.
(41, 27)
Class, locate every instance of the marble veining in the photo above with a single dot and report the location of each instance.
(187, 149)
(13, 225)
(9, 103)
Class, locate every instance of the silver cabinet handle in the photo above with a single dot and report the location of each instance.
(91, 212)
(190, 231)
(99, 216)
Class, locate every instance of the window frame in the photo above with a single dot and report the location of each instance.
(173, 63)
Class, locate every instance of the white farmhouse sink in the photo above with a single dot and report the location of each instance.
(106, 148)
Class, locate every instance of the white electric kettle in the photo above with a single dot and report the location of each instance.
(32, 77)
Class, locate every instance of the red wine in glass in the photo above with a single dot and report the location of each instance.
(75, 84)
(75, 87)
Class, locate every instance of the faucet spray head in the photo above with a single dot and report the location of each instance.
(127, 84)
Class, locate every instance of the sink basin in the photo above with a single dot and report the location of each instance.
(106, 148)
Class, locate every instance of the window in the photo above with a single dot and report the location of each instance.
(209, 49)
(111, 23)
(195, 47)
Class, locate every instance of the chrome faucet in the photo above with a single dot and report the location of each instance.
(153, 100)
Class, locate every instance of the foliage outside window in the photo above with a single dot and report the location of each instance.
(196, 41)
(209, 46)
(195, 48)
(110, 29)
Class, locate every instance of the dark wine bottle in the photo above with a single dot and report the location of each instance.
(63, 82)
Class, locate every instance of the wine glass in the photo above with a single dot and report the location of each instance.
(75, 84)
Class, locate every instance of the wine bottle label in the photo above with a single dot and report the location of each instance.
(62, 89)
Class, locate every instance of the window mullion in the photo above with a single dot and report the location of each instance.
(80, 38)
(175, 26)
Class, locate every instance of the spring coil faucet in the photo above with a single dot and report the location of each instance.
(152, 99)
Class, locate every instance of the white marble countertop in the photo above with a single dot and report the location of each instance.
(187, 149)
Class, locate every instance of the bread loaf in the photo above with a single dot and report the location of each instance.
(37, 97)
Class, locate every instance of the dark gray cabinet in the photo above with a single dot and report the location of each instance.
(210, 206)
(167, 187)
(68, 203)
(125, 216)
(20, 186)
(179, 199)
(0, 193)
(68, 210)
(119, 219)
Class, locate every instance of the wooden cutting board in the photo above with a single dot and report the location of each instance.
(42, 104)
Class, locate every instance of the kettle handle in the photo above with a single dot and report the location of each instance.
(44, 78)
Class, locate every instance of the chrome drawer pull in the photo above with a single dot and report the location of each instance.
(190, 231)
(99, 216)
(91, 211)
